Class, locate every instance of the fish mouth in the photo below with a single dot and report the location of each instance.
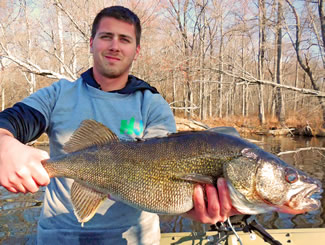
(306, 200)
(314, 193)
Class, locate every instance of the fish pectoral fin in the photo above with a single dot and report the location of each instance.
(85, 201)
(88, 134)
(198, 178)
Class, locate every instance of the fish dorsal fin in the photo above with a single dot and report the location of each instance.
(88, 134)
(85, 201)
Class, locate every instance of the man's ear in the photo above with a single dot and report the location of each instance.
(91, 45)
(137, 52)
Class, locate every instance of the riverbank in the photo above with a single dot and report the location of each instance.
(252, 126)
(244, 126)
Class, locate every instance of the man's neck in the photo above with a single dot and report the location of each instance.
(111, 84)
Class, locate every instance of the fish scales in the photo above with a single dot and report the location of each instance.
(159, 174)
(146, 174)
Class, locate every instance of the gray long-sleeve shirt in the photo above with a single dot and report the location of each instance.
(137, 111)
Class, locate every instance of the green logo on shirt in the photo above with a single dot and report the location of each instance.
(129, 127)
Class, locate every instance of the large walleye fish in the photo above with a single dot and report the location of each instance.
(158, 174)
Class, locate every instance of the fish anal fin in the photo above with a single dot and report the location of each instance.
(88, 134)
(198, 178)
(85, 201)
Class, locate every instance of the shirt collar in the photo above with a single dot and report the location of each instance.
(133, 84)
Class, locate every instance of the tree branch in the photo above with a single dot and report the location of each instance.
(59, 5)
(35, 69)
(302, 149)
(252, 79)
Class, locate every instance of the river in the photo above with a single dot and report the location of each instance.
(19, 213)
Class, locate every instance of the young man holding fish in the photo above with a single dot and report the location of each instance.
(128, 106)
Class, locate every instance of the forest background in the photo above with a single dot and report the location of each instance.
(253, 64)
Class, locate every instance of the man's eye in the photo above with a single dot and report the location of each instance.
(125, 40)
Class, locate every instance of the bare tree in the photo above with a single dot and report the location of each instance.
(278, 98)
(2, 87)
(321, 12)
(179, 10)
(261, 55)
(207, 58)
(304, 63)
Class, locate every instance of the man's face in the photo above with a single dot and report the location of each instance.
(114, 48)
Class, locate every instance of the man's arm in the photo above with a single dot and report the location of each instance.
(20, 165)
(23, 122)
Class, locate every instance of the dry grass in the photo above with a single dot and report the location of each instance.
(298, 121)
(303, 120)
(294, 121)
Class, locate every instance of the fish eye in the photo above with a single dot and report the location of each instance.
(291, 175)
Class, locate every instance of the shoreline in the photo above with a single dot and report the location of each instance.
(184, 124)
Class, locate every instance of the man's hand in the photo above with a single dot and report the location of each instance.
(218, 206)
(21, 169)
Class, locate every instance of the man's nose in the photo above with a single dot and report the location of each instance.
(114, 45)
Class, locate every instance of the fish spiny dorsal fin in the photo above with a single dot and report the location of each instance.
(88, 134)
(85, 201)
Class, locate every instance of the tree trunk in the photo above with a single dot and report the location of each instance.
(244, 99)
(296, 85)
(60, 33)
(220, 86)
(174, 89)
(321, 12)
(278, 100)
(3, 98)
(261, 54)
(202, 77)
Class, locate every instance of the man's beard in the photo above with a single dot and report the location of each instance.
(115, 72)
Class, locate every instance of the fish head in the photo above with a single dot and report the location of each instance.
(287, 189)
(267, 183)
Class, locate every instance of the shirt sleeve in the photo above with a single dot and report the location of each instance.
(23, 121)
(28, 119)
(160, 118)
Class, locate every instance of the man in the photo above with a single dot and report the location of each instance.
(128, 106)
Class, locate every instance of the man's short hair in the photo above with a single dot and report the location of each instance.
(119, 13)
